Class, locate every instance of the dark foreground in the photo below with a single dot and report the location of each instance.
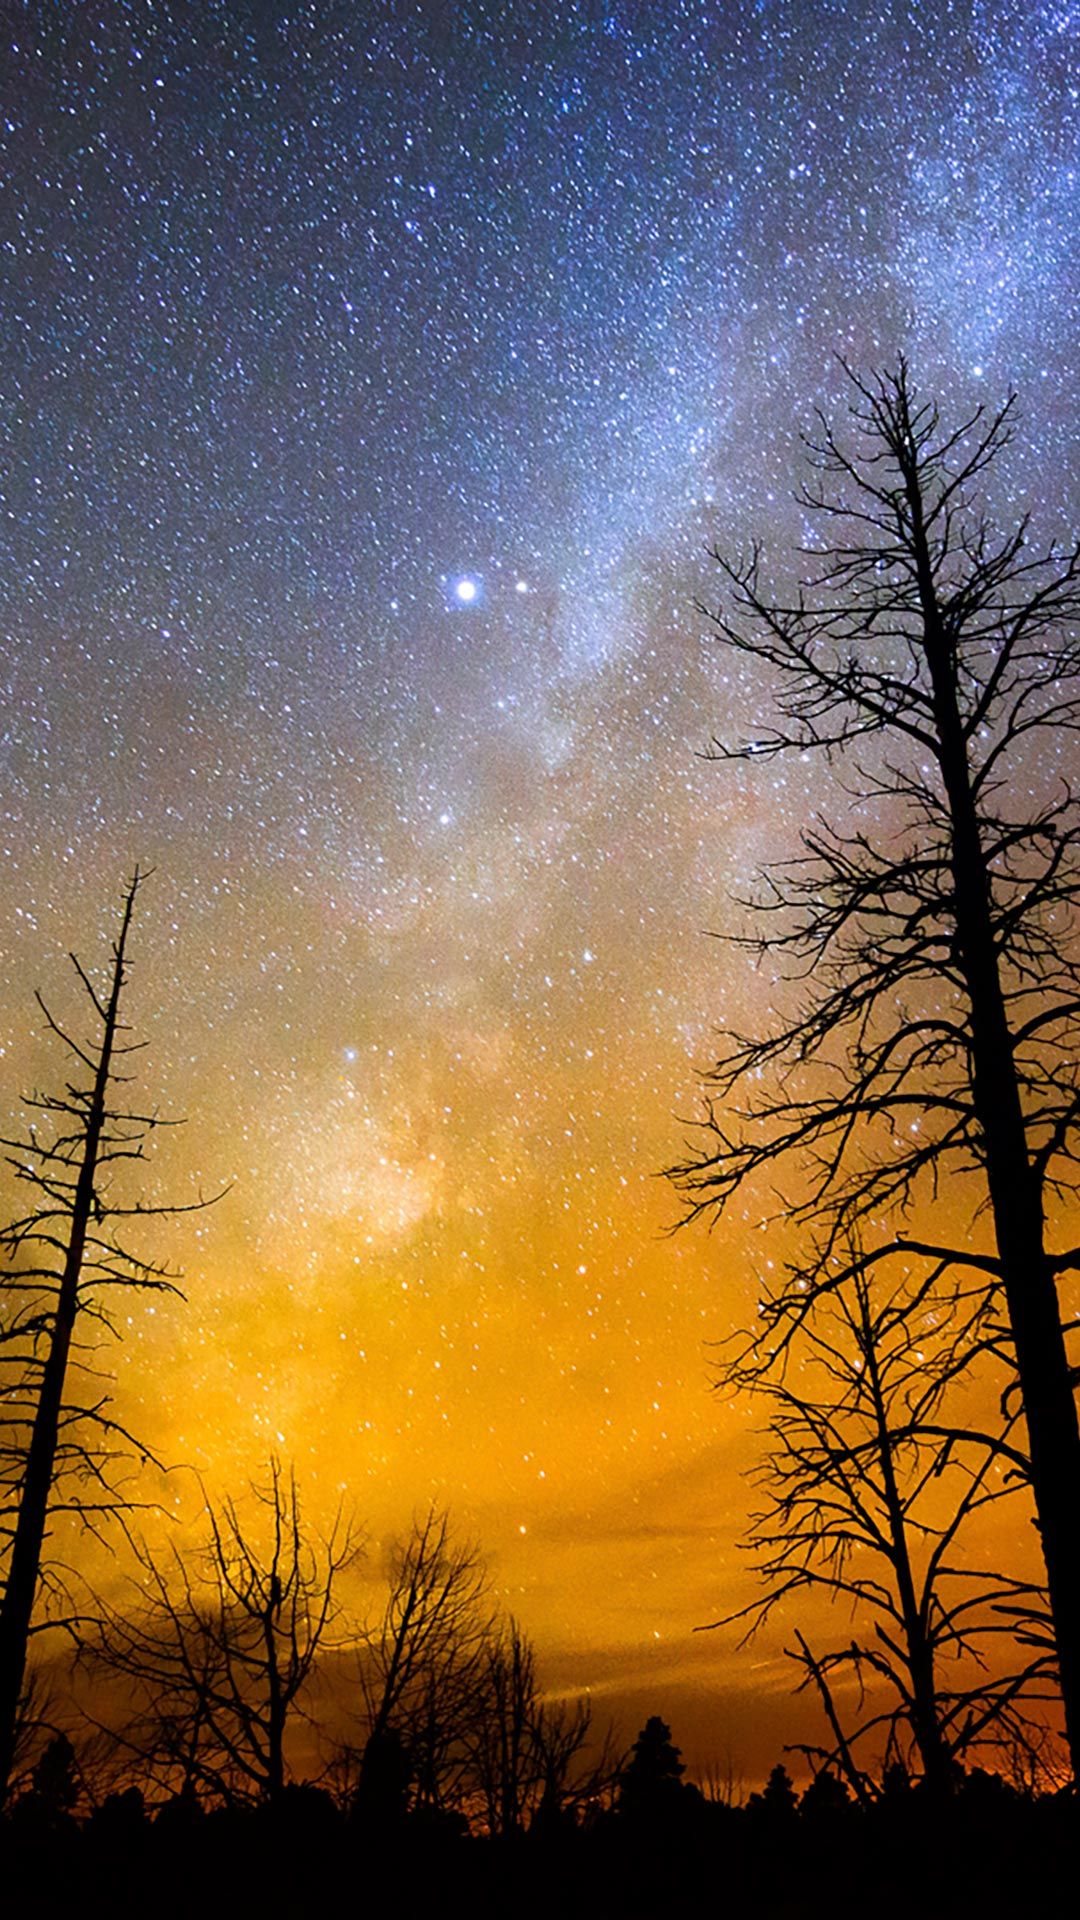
(987, 1852)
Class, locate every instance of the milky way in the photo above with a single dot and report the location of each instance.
(374, 379)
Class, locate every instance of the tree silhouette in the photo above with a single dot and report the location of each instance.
(825, 1796)
(506, 1760)
(380, 1795)
(874, 1490)
(218, 1658)
(652, 1781)
(531, 1758)
(777, 1798)
(577, 1764)
(935, 665)
(62, 1452)
(54, 1782)
(422, 1665)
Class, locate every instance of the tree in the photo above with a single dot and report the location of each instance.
(825, 1796)
(422, 1665)
(506, 1760)
(935, 665)
(530, 1756)
(577, 1764)
(777, 1801)
(875, 1489)
(218, 1660)
(651, 1786)
(62, 1452)
(48, 1797)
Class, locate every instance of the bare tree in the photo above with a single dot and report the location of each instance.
(935, 665)
(531, 1757)
(877, 1498)
(506, 1759)
(422, 1664)
(61, 1451)
(216, 1663)
(579, 1764)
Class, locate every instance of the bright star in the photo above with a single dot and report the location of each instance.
(466, 590)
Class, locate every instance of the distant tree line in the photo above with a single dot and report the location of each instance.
(648, 1843)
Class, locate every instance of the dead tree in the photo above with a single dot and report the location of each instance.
(579, 1765)
(506, 1758)
(216, 1661)
(422, 1664)
(876, 1496)
(61, 1452)
(933, 663)
(530, 1755)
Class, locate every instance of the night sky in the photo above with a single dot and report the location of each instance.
(374, 379)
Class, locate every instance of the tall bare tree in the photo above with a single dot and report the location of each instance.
(934, 664)
(61, 1451)
(216, 1660)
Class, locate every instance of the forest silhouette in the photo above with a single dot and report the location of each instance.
(251, 1710)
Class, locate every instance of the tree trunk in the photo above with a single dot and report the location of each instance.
(925, 1721)
(276, 1712)
(1013, 1185)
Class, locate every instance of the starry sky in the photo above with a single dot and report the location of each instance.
(374, 380)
